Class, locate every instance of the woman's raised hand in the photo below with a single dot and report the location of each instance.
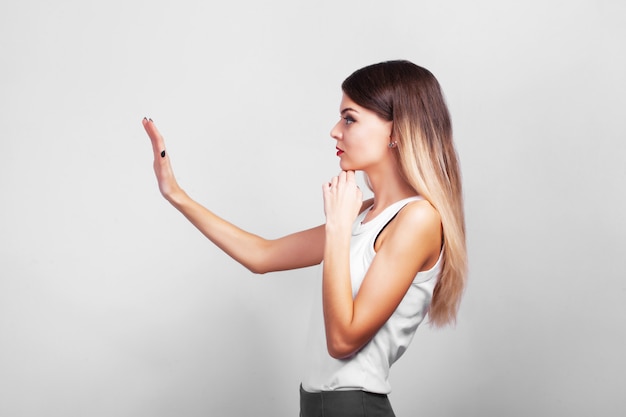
(342, 200)
(165, 176)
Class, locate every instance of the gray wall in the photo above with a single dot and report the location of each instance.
(112, 305)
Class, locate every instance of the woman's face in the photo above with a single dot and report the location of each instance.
(362, 137)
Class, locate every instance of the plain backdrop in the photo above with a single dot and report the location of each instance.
(111, 304)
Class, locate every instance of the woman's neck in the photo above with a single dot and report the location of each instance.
(388, 187)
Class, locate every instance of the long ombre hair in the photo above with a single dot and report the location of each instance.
(410, 97)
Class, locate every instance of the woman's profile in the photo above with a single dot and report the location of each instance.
(388, 261)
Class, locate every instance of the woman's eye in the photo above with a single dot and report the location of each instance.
(348, 120)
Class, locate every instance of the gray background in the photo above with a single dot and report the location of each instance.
(112, 305)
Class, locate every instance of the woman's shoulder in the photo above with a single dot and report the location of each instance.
(415, 224)
(419, 213)
(414, 233)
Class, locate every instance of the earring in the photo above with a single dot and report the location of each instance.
(392, 144)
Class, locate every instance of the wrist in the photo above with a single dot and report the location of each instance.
(338, 235)
(177, 198)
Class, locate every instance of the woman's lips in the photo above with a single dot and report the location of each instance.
(339, 151)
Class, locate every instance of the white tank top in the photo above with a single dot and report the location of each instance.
(368, 369)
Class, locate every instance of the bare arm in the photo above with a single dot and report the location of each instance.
(409, 244)
(259, 255)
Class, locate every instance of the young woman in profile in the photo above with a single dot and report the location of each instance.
(387, 261)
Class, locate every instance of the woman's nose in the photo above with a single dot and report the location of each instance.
(335, 132)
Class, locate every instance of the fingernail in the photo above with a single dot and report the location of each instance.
(162, 154)
(145, 118)
(150, 119)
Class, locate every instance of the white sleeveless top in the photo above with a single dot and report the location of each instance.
(368, 369)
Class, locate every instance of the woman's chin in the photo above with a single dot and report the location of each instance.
(345, 166)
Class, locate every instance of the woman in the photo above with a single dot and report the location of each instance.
(387, 261)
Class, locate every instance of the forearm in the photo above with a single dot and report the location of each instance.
(255, 253)
(244, 247)
(337, 294)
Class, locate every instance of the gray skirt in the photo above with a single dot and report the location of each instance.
(344, 404)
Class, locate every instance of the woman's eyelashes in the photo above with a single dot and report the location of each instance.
(348, 119)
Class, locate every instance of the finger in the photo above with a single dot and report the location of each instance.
(350, 176)
(158, 144)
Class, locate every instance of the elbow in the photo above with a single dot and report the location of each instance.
(343, 342)
(339, 349)
(257, 268)
(259, 262)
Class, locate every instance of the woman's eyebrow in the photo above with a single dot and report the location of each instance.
(348, 109)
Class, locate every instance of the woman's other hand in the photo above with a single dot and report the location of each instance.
(342, 200)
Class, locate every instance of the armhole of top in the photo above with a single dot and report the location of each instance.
(389, 221)
(384, 227)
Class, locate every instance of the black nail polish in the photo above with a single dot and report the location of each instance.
(150, 119)
(162, 154)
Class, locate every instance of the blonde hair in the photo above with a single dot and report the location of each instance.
(410, 97)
